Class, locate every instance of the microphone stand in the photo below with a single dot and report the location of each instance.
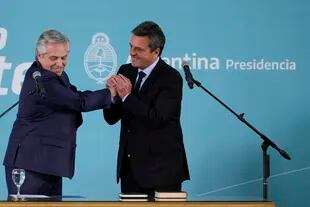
(16, 103)
(266, 141)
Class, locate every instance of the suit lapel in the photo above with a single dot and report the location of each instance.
(65, 80)
(131, 73)
(152, 77)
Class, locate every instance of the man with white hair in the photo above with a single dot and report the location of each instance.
(43, 138)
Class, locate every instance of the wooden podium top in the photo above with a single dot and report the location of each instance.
(137, 204)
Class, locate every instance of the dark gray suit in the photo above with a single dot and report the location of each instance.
(150, 128)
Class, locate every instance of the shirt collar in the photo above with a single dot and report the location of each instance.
(150, 68)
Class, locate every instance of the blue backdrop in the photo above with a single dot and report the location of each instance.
(254, 55)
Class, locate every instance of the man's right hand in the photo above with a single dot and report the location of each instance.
(123, 86)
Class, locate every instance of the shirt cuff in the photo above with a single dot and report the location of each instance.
(124, 98)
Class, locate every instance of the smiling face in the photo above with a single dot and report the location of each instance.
(55, 57)
(141, 54)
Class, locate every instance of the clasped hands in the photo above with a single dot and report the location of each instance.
(119, 85)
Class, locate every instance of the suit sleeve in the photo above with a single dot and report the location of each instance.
(166, 107)
(60, 97)
(113, 114)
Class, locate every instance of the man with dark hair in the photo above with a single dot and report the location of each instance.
(43, 138)
(151, 154)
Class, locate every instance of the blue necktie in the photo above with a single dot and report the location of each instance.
(141, 75)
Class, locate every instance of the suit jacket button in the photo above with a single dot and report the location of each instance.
(128, 130)
(128, 155)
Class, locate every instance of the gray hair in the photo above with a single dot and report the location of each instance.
(50, 36)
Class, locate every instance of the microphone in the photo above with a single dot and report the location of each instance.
(36, 75)
(188, 76)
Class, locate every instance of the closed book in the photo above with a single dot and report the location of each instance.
(181, 194)
(133, 199)
(170, 199)
(132, 195)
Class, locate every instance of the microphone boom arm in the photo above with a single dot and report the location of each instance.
(266, 141)
(16, 103)
(39, 89)
(242, 119)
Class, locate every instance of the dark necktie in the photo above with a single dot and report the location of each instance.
(141, 75)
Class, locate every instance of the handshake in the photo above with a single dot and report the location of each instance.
(119, 85)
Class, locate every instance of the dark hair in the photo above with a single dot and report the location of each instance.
(154, 33)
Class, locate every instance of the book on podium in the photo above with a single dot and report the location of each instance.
(171, 196)
(133, 197)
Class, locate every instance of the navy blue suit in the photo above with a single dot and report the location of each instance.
(43, 138)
